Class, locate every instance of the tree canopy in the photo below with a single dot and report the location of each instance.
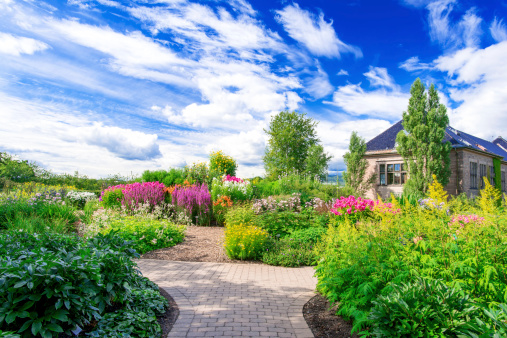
(357, 165)
(421, 142)
(294, 146)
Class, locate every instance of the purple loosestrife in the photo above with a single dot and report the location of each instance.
(136, 194)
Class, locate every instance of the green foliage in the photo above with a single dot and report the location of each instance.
(169, 178)
(37, 214)
(361, 260)
(198, 173)
(221, 164)
(423, 308)
(495, 324)
(297, 249)
(146, 234)
(291, 136)
(316, 162)
(12, 169)
(112, 198)
(241, 214)
(84, 280)
(490, 198)
(420, 143)
(357, 166)
(497, 165)
(281, 223)
(126, 323)
(9, 334)
(236, 191)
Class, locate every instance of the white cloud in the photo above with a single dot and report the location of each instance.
(498, 30)
(16, 45)
(413, 64)
(378, 103)
(317, 83)
(133, 54)
(379, 77)
(479, 82)
(124, 143)
(342, 72)
(316, 34)
(465, 32)
(336, 136)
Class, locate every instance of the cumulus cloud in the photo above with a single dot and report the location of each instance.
(479, 82)
(124, 143)
(315, 33)
(17, 45)
(377, 103)
(498, 30)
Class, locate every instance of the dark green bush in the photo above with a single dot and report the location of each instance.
(126, 323)
(282, 223)
(171, 177)
(52, 284)
(423, 308)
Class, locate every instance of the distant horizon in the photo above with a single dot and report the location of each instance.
(107, 88)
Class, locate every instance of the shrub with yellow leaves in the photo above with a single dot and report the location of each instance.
(490, 198)
(245, 241)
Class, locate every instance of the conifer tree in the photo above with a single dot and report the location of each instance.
(421, 142)
(357, 165)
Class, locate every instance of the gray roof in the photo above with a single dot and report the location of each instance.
(386, 141)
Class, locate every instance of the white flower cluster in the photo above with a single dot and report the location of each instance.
(81, 196)
(271, 204)
(240, 186)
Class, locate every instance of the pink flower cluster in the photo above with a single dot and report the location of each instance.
(136, 194)
(230, 178)
(194, 199)
(350, 205)
(461, 220)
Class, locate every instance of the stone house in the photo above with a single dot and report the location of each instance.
(471, 159)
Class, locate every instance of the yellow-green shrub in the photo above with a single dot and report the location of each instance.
(361, 261)
(245, 241)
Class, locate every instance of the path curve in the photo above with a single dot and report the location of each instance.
(235, 300)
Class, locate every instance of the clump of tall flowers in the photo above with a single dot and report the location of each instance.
(131, 196)
(352, 205)
(233, 187)
(195, 201)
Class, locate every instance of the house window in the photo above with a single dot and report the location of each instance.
(482, 174)
(382, 169)
(492, 175)
(503, 181)
(473, 175)
(392, 174)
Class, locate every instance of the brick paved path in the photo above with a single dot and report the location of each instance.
(232, 300)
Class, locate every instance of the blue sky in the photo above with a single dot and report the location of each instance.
(108, 87)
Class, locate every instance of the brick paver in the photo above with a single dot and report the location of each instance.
(235, 300)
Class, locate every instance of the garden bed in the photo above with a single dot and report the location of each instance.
(167, 320)
(323, 321)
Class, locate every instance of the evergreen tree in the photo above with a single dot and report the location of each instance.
(357, 165)
(421, 142)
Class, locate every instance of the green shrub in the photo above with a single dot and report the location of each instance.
(9, 334)
(282, 223)
(127, 323)
(423, 308)
(82, 280)
(244, 241)
(146, 234)
(297, 249)
(495, 324)
(360, 260)
(241, 214)
(112, 198)
(221, 164)
(169, 178)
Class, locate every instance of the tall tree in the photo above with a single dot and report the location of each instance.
(292, 137)
(316, 162)
(357, 166)
(421, 142)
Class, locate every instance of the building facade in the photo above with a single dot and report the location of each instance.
(471, 159)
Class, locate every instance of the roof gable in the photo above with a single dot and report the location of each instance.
(386, 141)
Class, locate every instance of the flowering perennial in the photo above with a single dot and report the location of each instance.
(461, 220)
(234, 187)
(350, 205)
(196, 200)
(230, 178)
(136, 194)
(270, 204)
